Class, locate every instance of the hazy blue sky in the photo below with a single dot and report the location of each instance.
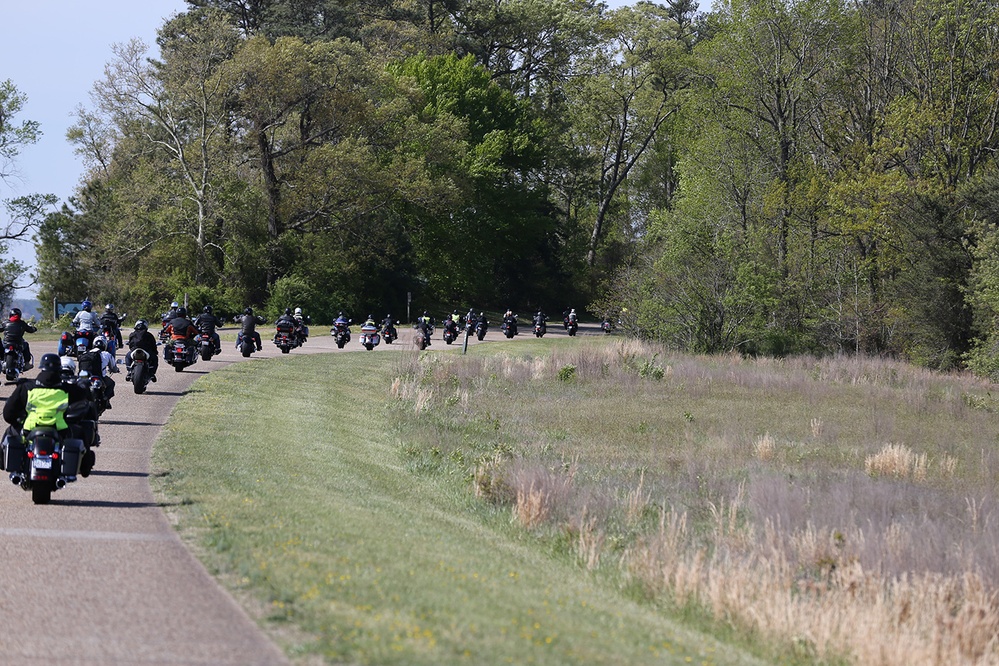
(53, 51)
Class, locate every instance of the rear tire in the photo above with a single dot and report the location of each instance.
(41, 494)
(206, 353)
(139, 378)
(246, 349)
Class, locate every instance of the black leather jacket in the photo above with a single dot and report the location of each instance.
(249, 323)
(13, 331)
(206, 323)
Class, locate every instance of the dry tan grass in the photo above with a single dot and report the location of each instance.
(845, 611)
(897, 461)
(765, 447)
(810, 553)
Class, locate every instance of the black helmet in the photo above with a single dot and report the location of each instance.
(248, 310)
(50, 363)
(371, 316)
(109, 308)
(141, 325)
(14, 312)
(100, 343)
(287, 311)
(207, 309)
(181, 311)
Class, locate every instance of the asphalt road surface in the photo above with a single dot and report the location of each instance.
(99, 577)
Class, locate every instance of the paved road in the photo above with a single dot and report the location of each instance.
(99, 576)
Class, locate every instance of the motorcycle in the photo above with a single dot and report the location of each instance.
(285, 337)
(480, 330)
(369, 336)
(139, 374)
(422, 338)
(180, 354)
(13, 362)
(164, 333)
(450, 331)
(206, 347)
(572, 326)
(45, 461)
(509, 326)
(540, 328)
(245, 345)
(389, 333)
(341, 333)
(112, 340)
(97, 394)
(606, 326)
(74, 343)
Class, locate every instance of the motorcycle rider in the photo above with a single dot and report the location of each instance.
(540, 319)
(303, 325)
(43, 401)
(249, 323)
(206, 322)
(86, 322)
(426, 325)
(181, 328)
(13, 334)
(510, 321)
(98, 362)
(142, 339)
(111, 322)
(288, 324)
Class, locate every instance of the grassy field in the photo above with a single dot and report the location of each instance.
(595, 501)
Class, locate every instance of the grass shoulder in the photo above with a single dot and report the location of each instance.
(297, 482)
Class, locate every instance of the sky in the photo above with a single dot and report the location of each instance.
(53, 51)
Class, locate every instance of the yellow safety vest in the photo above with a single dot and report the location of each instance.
(47, 407)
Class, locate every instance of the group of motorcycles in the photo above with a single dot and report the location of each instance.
(44, 460)
(371, 333)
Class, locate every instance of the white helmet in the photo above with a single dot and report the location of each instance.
(68, 367)
(298, 311)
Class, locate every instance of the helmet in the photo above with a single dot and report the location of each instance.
(572, 311)
(49, 363)
(174, 304)
(68, 367)
(287, 311)
(181, 312)
(141, 325)
(109, 308)
(371, 316)
(15, 312)
(298, 311)
(248, 311)
(100, 343)
(86, 305)
(207, 309)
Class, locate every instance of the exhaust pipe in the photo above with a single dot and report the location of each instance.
(60, 482)
(16, 478)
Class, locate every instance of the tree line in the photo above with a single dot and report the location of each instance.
(769, 176)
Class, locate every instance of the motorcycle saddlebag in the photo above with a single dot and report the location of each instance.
(14, 454)
(72, 455)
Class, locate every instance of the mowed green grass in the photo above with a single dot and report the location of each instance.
(289, 478)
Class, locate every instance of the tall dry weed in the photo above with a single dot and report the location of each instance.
(897, 461)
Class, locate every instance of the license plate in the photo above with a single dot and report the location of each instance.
(41, 463)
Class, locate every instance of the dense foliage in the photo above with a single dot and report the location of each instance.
(768, 177)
